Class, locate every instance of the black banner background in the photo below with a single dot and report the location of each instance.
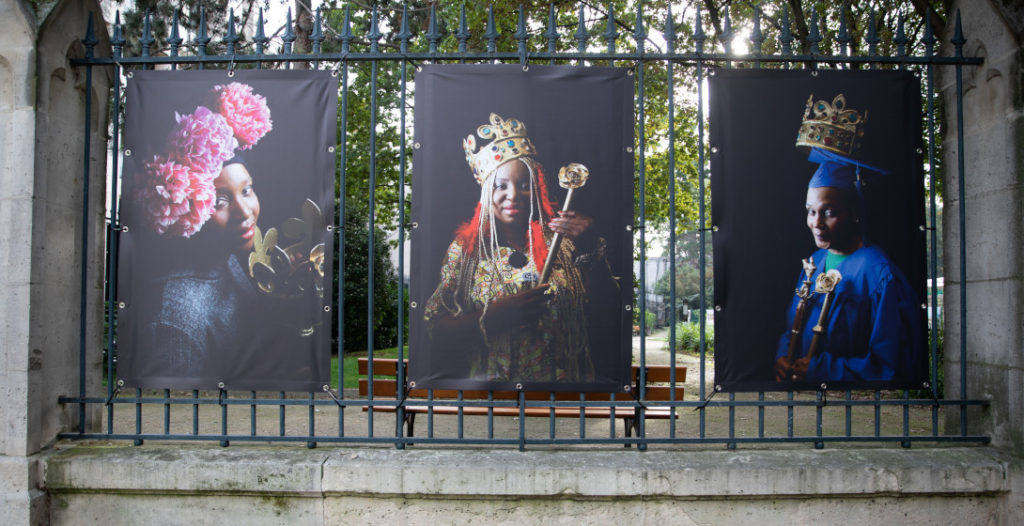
(571, 114)
(233, 333)
(759, 183)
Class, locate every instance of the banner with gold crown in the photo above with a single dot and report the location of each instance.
(224, 267)
(522, 239)
(818, 238)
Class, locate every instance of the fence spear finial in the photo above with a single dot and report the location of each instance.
(404, 34)
(175, 38)
(203, 39)
(611, 33)
(147, 33)
(463, 34)
(552, 32)
(492, 30)
(581, 33)
(261, 35)
(698, 32)
(786, 34)
(289, 33)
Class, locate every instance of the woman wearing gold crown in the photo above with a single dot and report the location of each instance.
(855, 316)
(488, 301)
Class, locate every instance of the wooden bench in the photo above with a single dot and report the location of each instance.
(658, 388)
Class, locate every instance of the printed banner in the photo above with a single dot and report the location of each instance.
(818, 204)
(523, 199)
(224, 268)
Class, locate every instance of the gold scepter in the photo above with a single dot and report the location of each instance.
(800, 317)
(570, 177)
(826, 284)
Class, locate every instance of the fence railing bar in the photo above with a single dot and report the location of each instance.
(958, 42)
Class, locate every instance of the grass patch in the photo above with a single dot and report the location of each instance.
(351, 365)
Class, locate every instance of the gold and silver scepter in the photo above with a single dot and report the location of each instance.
(800, 317)
(570, 177)
(825, 284)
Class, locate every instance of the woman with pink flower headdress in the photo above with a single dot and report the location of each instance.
(201, 211)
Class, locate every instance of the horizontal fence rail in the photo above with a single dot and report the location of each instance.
(337, 416)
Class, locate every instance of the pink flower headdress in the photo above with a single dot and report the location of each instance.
(177, 189)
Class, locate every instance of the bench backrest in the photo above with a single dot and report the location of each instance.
(658, 382)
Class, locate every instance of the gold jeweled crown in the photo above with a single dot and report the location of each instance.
(509, 142)
(831, 127)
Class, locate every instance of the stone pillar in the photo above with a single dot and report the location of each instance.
(42, 153)
(994, 206)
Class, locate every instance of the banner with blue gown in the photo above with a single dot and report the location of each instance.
(786, 215)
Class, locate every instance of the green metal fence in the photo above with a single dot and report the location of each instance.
(327, 417)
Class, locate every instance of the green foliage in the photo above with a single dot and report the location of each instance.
(688, 338)
(356, 286)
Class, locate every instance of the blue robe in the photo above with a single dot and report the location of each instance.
(873, 328)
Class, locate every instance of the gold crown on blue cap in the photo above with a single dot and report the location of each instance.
(510, 142)
(830, 127)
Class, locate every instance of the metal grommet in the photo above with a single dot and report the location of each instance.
(129, 74)
(629, 307)
(120, 383)
(419, 69)
(921, 227)
(626, 388)
(220, 385)
(711, 72)
(814, 73)
(718, 308)
(330, 228)
(334, 73)
(412, 383)
(412, 304)
(526, 67)
(714, 149)
(519, 387)
(330, 149)
(629, 228)
(128, 152)
(416, 145)
(231, 73)
(124, 228)
(718, 387)
(629, 149)
(327, 308)
(714, 228)
(415, 224)
(629, 72)
(121, 305)
(326, 387)
(924, 306)
(919, 151)
(926, 385)
(824, 386)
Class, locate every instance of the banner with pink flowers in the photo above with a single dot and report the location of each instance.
(227, 194)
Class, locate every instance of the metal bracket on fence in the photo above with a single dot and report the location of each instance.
(708, 399)
(931, 391)
(330, 392)
(231, 66)
(114, 393)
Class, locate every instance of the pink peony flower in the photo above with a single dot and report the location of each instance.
(177, 198)
(246, 112)
(202, 140)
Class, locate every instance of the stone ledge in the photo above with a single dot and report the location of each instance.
(211, 470)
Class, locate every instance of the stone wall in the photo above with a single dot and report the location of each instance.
(41, 198)
(993, 107)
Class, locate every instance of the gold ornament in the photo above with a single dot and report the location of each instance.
(831, 127)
